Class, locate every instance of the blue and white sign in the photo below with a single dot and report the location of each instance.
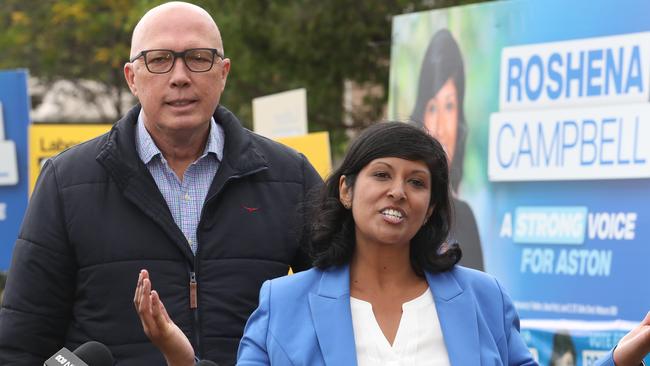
(14, 120)
(581, 111)
(572, 342)
(546, 104)
(8, 161)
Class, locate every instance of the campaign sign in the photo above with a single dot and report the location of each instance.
(572, 342)
(48, 139)
(14, 119)
(544, 110)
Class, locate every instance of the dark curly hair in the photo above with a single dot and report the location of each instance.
(443, 61)
(331, 228)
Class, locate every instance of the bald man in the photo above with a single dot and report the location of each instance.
(177, 187)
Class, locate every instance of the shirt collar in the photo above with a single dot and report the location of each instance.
(147, 148)
(216, 140)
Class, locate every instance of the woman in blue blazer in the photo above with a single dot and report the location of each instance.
(377, 240)
(313, 325)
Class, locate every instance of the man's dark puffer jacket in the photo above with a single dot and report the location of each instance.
(96, 218)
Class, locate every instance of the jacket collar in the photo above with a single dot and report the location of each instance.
(332, 317)
(241, 155)
(122, 163)
(458, 319)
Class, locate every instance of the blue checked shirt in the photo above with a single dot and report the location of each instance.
(185, 199)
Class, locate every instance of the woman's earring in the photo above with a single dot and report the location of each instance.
(347, 205)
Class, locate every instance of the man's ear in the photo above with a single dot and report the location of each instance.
(225, 70)
(129, 76)
(345, 193)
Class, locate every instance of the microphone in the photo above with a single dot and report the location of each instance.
(206, 363)
(88, 354)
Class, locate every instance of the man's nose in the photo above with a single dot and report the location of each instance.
(179, 73)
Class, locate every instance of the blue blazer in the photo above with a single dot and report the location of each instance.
(305, 319)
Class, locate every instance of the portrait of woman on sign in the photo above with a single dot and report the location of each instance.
(439, 110)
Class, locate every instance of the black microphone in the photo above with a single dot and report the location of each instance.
(206, 363)
(88, 354)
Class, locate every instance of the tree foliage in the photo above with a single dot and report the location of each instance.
(66, 39)
(274, 46)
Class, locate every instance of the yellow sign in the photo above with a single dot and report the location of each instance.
(47, 140)
(316, 147)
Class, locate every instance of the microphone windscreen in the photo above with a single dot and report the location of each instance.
(95, 354)
(64, 357)
(206, 363)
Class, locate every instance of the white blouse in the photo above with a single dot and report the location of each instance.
(418, 340)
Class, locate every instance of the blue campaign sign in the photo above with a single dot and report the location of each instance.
(572, 342)
(544, 109)
(14, 120)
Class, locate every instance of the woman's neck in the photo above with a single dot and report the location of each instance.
(382, 275)
(384, 271)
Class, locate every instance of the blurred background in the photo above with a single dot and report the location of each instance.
(339, 50)
(360, 61)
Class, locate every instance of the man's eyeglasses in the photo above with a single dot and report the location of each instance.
(162, 61)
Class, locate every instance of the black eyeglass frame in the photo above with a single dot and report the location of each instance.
(176, 55)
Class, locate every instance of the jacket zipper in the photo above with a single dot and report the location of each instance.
(193, 302)
(194, 285)
(194, 305)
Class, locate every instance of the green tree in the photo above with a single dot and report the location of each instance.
(274, 46)
(277, 46)
(70, 39)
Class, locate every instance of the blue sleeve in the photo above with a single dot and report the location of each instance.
(258, 346)
(252, 347)
(607, 360)
(518, 352)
